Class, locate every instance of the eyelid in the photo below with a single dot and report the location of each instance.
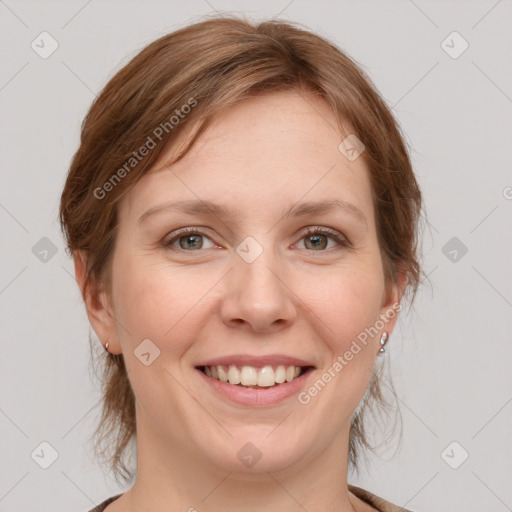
(338, 237)
(175, 235)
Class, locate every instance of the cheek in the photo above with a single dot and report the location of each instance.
(352, 341)
(347, 300)
(150, 301)
(164, 303)
(347, 305)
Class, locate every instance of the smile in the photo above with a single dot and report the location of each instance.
(253, 376)
(255, 381)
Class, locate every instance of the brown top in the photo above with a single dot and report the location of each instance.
(102, 506)
(380, 504)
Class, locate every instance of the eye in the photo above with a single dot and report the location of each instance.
(188, 239)
(318, 239)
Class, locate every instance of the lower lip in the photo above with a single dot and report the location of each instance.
(256, 396)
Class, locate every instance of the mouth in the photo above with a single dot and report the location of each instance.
(255, 381)
(255, 377)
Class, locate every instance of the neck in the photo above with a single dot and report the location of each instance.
(178, 478)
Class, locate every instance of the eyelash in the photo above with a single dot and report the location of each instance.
(339, 239)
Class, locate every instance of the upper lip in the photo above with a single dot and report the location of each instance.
(248, 360)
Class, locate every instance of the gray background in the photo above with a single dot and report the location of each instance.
(450, 357)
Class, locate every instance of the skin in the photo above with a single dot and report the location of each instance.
(258, 158)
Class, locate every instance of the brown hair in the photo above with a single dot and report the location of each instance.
(184, 79)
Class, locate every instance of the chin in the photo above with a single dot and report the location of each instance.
(259, 450)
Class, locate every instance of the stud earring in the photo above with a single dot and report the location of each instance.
(383, 341)
(106, 347)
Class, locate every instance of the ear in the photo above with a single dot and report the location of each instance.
(392, 299)
(97, 305)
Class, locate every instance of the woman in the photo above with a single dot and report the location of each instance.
(242, 214)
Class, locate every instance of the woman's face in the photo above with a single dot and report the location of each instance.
(248, 286)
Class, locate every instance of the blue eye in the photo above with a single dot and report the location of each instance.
(317, 239)
(188, 239)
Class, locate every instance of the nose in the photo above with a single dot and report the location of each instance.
(257, 296)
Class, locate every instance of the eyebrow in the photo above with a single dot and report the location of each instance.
(210, 209)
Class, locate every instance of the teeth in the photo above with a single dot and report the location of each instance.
(223, 376)
(280, 374)
(248, 376)
(233, 375)
(265, 377)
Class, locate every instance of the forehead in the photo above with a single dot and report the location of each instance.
(263, 153)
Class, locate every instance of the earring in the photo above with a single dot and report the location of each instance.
(106, 347)
(383, 341)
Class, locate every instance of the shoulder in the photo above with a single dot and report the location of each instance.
(101, 507)
(376, 502)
